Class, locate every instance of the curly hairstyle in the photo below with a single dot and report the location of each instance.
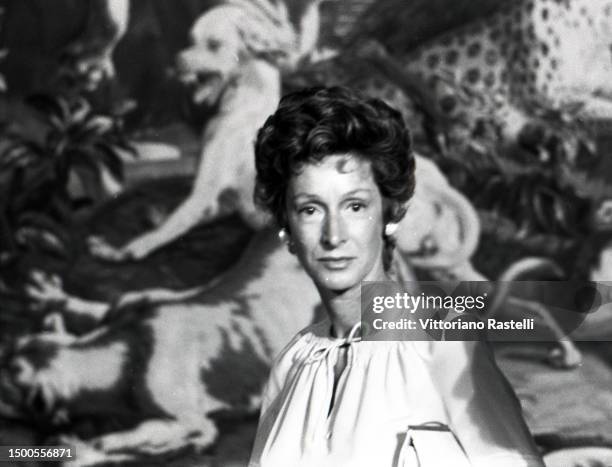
(317, 122)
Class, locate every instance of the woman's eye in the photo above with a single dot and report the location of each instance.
(307, 211)
(356, 206)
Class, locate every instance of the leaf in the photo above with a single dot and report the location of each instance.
(93, 129)
(41, 221)
(57, 124)
(99, 125)
(561, 215)
(111, 160)
(41, 239)
(124, 144)
(22, 153)
(540, 211)
(80, 111)
(85, 163)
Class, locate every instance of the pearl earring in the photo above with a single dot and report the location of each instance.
(284, 237)
(391, 228)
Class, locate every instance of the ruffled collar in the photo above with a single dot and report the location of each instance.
(326, 343)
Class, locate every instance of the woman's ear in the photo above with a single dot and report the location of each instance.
(285, 237)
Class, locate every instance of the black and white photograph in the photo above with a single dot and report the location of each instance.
(306, 233)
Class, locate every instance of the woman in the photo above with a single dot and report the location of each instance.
(336, 172)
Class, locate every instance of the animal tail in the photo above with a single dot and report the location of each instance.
(518, 269)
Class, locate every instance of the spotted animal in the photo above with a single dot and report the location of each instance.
(550, 52)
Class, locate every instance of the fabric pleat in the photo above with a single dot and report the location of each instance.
(385, 388)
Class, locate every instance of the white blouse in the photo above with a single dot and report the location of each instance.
(384, 388)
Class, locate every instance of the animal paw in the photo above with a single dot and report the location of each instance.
(45, 290)
(567, 356)
(87, 454)
(157, 437)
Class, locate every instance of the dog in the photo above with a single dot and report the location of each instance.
(239, 50)
(174, 363)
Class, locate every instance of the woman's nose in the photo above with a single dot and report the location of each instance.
(334, 232)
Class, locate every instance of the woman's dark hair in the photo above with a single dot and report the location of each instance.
(317, 122)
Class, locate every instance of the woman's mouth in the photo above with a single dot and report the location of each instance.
(336, 263)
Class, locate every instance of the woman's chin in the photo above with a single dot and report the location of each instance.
(339, 281)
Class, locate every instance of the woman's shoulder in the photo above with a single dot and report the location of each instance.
(302, 340)
(290, 357)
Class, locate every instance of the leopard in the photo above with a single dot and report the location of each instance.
(524, 56)
(527, 54)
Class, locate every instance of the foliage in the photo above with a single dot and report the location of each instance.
(36, 205)
(540, 200)
(540, 182)
(537, 200)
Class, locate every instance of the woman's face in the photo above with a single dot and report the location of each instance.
(335, 217)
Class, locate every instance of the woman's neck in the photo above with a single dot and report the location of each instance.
(344, 307)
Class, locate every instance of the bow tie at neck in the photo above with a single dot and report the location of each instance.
(320, 353)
